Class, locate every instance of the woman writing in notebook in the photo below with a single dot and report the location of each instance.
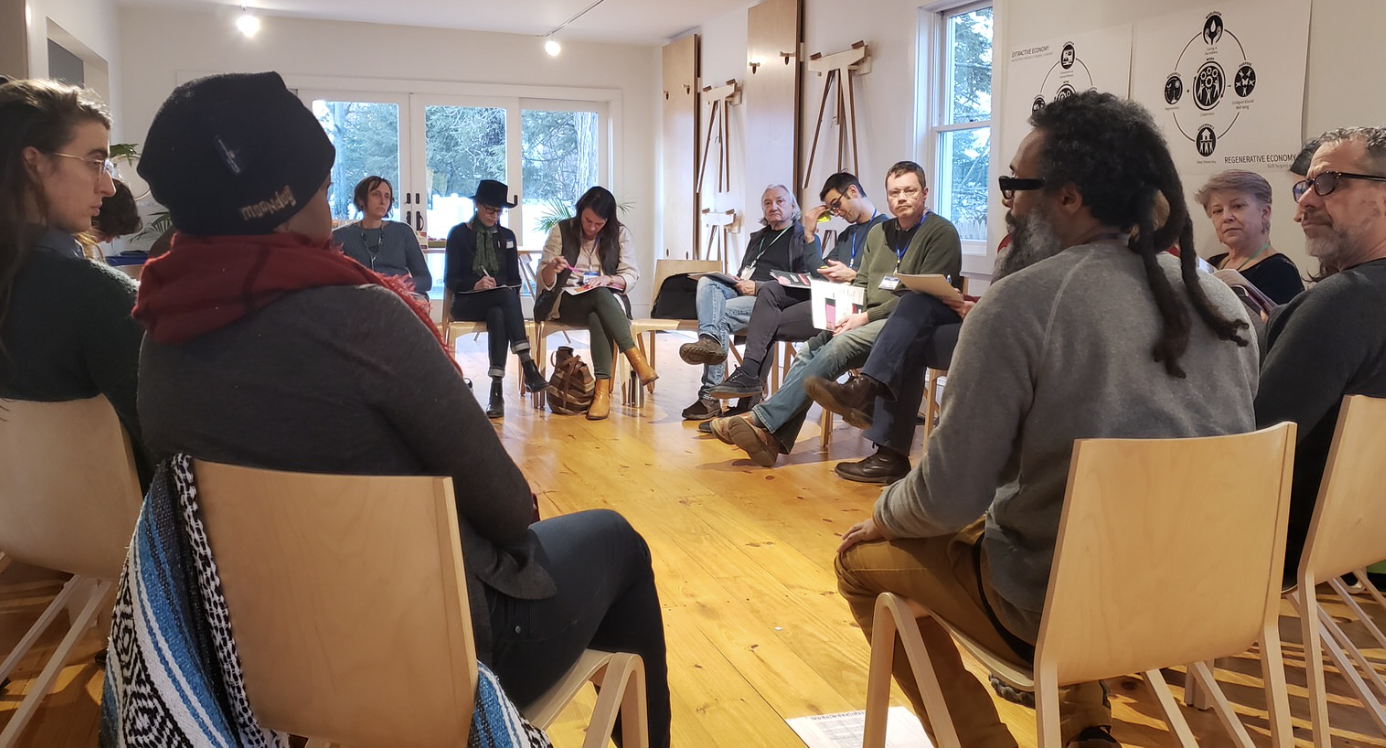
(587, 269)
(483, 274)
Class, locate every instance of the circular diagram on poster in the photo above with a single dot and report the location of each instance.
(1203, 99)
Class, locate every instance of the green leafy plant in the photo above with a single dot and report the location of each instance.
(554, 210)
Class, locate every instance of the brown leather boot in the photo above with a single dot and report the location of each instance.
(642, 368)
(601, 400)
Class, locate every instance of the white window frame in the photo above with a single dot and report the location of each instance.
(934, 66)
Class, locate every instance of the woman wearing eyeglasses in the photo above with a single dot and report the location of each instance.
(390, 248)
(1239, 204)
(65, 326)
(483, 275)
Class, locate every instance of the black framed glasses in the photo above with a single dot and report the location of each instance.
(1009, 185)
(835, 204)
(1327, 182)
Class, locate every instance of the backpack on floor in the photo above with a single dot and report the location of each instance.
(571, 386)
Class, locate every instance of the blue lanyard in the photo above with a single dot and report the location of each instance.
(856, 239)
(900, 251)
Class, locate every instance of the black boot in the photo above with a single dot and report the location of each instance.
(497, 408)
(534, 380)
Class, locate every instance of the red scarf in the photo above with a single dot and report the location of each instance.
(206, 283)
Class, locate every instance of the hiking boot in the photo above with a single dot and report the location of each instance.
(1094, 736)
(882, 467)
(739, 385)
(759, 444)
(720, 427)
(703, 408)
(705, 351)
(854, 400)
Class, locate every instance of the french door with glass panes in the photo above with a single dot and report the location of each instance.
(436, 149)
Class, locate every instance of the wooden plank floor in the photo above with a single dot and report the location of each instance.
(743, 557)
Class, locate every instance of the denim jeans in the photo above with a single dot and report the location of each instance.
(722, 311)
(825, 355)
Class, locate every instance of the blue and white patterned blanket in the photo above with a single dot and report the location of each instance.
(173, 676)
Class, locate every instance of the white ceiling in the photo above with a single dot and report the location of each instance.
(624, 21)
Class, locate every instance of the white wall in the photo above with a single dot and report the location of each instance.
(1345, 54)
(159, 44)
(885, 97)
(91, 25)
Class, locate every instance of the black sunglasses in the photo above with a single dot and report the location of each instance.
(1327, 182)
(1009, 185)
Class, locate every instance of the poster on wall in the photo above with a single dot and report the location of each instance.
(1226, 83)
(1040, 72)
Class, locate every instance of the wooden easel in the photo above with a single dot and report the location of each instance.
(719, 99)
(719, 225)
(839, 68)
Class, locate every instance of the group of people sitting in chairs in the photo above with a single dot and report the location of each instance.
(263, 338)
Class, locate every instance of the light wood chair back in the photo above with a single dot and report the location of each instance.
(666, 267)
(1348, 531)
(1345, 536)
(1196, 525)
(69, 495)
(69, 499)
(348, 603)
(1169, 552)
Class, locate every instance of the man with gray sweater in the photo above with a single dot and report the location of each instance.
(1089, 343)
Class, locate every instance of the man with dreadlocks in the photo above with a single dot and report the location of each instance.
(1330, 341)
(1109, 337)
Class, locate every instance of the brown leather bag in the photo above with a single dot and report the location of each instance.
(571, 386)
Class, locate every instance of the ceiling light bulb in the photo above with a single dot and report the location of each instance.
(553, 48)
(248, 24)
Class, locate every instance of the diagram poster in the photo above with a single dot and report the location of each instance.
(1040, 72)
(1226, 83)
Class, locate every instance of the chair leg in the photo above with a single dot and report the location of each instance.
(1177, 725)
(1047, 723)
(1273, 674)
(825, 432)
(896, 615)
(1338, 645)
(1203, 676)
(1194, 696)
(621, 692)
(39, 688)
(1368, 623)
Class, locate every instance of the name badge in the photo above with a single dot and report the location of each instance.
(589, 278)
(890, 283)
(509, 244)
(747, 272)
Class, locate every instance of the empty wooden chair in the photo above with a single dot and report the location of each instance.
(1347, 533)
(348, 604)
(1169, 552)
(69, 497)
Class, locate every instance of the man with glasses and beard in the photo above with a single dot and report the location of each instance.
(1109, 337)
(1330, 341)
(922, 333)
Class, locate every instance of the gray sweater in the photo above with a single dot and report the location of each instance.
(1053, 353)
(396, 252)
(347, 380)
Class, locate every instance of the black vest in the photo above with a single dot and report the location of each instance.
(609, 251)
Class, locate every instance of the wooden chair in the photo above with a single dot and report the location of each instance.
(1345, 536)
(453, 329)
(1169, 552)
(69, 498)
(348, 603)
(651, 327)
